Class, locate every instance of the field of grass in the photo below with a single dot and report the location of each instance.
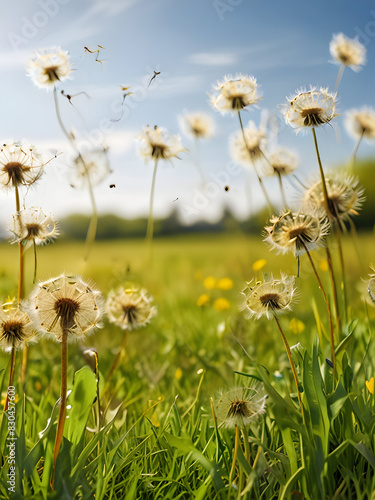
(157, 437)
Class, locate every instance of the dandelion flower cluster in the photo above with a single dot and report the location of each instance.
(345, 197)
(310, 108)
(241, 406)
(66, 303)
(157, 144)
(361, 123)
(130, 307)
(49, 66)
(92, 167)
(296, 232)
(16, 327)
(198, 125)
(20, 165)
(347, 51)
(235, 93)
(32, 225)
(268, 298)
(245, 153)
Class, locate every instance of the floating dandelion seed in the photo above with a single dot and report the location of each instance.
(235, 93)
(345, 197)
(32, 225)
(16, 327)
(20, 165)
(361, 123)
(130, 308)
(269, 298)
(296, 232)
(66, 303)
(49, 67)
(246, 150)
(91, 167)
(242, 406)
(198, 125)
(371, 286)
(311, 108)
(347, 51)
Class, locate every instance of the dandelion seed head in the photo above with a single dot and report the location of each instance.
(241, 406)
(235, 93)
(198, 125)
(345, 196)
(361, 123)
(157, 144)
(48, 67)
(311, 108)
(281, 162)
(296, 232)
(20, 165)
(31, 225)
(92, 167)
(348, 51)
(66, 303)
(130, 307)
(16, 327)
(245, 153)
(268, 298)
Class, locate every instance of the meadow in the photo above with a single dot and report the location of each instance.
(159, 439)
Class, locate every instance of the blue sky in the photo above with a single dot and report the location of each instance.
(193, 43)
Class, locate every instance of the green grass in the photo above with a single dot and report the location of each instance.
(159, 439)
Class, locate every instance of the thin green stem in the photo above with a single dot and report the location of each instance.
(62, 412)
(270, 207)
(339, 76)
(150, 224)
(282, 190)
(91, 232)
(118, 358)
(331, 329)
(324, 185)
(35, 261)
(334, 290)
(235, 452)
(342, 266)
(11, 374)
(292, 366)
(354, 154)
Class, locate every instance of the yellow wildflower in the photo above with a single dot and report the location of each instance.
(178, 374)
(259, 264)
(224, 284)
(323, 265)
(370, 384)
(203, 300)
(209, 283)
(296, 326)
(221, 304)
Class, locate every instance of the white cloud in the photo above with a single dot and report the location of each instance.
(213, 58)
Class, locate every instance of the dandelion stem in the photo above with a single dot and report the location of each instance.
(11, 374)
(339, 76)
(292, 366)
(91, 232)
(35, 261)
(282, 190)
(62, 412)
(150, 224)
(354, 154)
(331, 330)
(324, 185)
(334, 289)
(235, 452)
(118, 358)
(270, 208)
(342, 265)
